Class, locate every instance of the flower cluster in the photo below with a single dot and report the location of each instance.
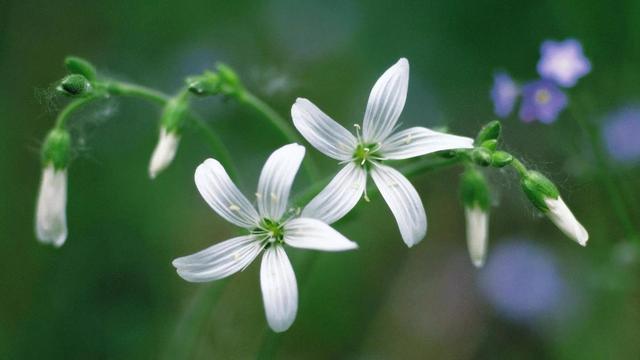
(270, 221)
(560, 66)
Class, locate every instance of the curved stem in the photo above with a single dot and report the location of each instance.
(73, 106)
(217, 146)
(247, 98)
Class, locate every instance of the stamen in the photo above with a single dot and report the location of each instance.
(234, 207)
(274, 197)
(408, 139)
(258, 195)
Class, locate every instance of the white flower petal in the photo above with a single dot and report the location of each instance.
(339, 196)
(386, 102)
(223, 196)
(404, 202)
(564, 219)
(321, 131)
(276, 180)
(164, 152)
(220, 260)
(314, 234)
(477, 234)
(279, 289)
(418, 141)
(51, 218)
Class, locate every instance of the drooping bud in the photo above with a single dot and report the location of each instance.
(206, 84)
(491, 131)
(501, 159)
(171, 125)
(481, 156)
(75, 85)
(56, 149)
(476, 199)
(77, 65)
(229, 81)
(545, 196)
(51, 219)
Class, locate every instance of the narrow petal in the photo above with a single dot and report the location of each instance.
(276, 180)
(404, 202)
(417, 141)
(279, 289)
(564, 219)
(326, 135)
(314, 234)
(164, 152)
(477, 234)
(339, 196)
(223, 196)
(51, 217)
(220, 260)
(386, 102)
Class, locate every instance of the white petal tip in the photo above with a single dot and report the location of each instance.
(478, 263)
(403, 62)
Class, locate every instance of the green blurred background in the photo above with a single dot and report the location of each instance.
(111, 292)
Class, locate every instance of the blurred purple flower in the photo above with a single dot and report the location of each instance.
(522, 282)
(542, 100)
(621, 132)
(563, 62)
(504, 94)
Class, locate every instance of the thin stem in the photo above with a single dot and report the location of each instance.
(137, 91)
(252, 101)
(520, 168)
(73, 106)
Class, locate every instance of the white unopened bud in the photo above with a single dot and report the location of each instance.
(560, 215)
(477, 234)
(51, 218)
(164, 152)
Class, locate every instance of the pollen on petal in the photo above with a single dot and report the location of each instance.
(234, 207)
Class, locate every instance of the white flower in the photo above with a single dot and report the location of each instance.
(270, 228)
(364, 153)
(164, 152)
(51, 218)
(560, 215)
(477, 234)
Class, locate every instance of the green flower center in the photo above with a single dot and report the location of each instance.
(366, 153)
(272, 232)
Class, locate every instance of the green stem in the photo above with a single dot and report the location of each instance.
(520, 168)
(73, 106)
(606, 175)
(142, 92)
(247, 98)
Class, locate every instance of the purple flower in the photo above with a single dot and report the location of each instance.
(542, 100)
(621, 132)
(504, 94)
(563, 62)
(523, 282)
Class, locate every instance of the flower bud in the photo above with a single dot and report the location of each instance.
(76, 65)
(501, 159)
(476, 199)
(204, 85)
(51, 218)
(164, 152)
(230, 84)
(545, 196)
(481, 156)
(490, 145)
(75, 85)
(56, 149)
(491, 131)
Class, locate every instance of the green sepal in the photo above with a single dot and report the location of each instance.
(501, 159)
(173, 114)
(56, 149)
(539, 188)
(474, 190)
(481, 156)
(229, 81)
(75, 85)
(206, 84)
(77, 65)
(491, 131)
(490, 145)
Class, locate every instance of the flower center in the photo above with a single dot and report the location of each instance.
(542, 96)
(272, 232)
(366, 153)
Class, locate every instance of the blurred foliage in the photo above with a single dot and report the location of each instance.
(111, 292)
